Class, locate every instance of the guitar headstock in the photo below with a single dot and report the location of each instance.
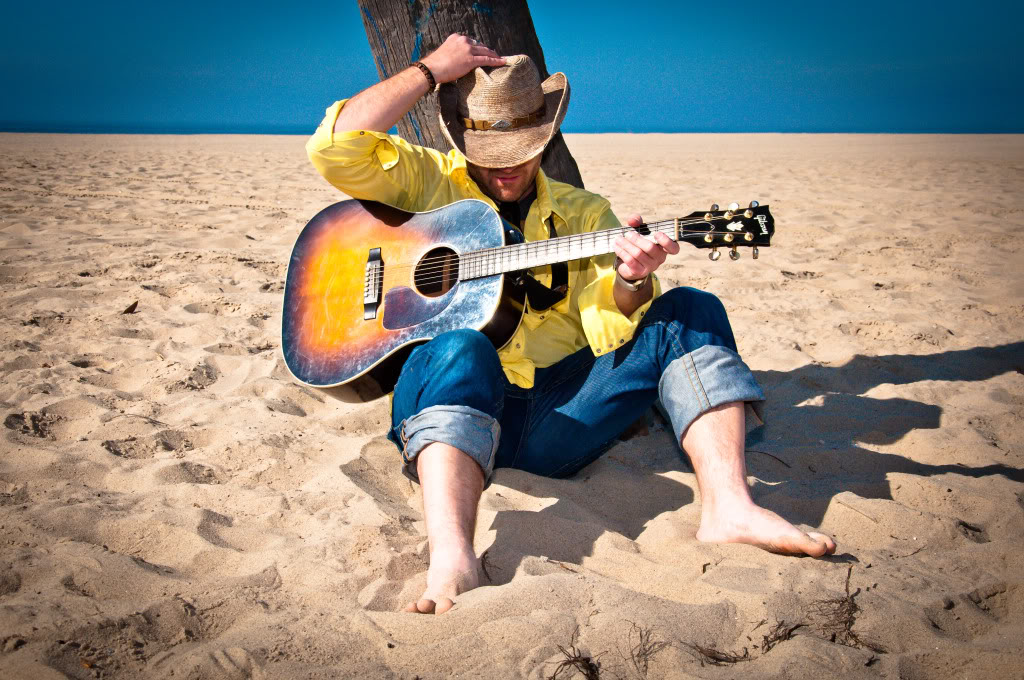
(731, 228)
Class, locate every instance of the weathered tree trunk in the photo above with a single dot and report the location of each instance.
(403, 31)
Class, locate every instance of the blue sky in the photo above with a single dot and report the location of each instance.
(640, 67)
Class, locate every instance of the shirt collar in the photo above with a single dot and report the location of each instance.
(546, 202)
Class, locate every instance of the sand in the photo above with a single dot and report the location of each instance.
(172, 504)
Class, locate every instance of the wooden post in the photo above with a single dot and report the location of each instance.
(403, 31)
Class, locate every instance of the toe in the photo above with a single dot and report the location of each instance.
(830, 545)
(422, 606)
(443, 605)
(811, 544)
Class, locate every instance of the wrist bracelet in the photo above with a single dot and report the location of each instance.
(426, 72)
(632, 286)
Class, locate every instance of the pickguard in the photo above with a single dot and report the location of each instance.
(404, 307)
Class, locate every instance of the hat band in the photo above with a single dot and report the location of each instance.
(472, 124)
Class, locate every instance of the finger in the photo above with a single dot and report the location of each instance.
(634, 220)
(653, 253)
(649, 247)
(482, 50)
(633, 257)
(670, 246)
(488, 60)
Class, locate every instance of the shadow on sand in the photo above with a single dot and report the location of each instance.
(817, 415)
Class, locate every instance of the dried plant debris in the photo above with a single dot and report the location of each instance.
(576, 661)
(836, 616)
(711, 655)
(780, 632)
(643, 646)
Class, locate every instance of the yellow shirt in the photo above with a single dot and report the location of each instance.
(385, 168)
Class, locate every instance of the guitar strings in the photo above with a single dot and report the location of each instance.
(434, 273)
(434, 266)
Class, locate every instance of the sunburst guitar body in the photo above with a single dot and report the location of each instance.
(367, 282)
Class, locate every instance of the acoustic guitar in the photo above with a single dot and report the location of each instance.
(367, 282)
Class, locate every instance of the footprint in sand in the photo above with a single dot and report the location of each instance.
(201, 377)
(973, 533)
(140, 448)
(187, 472)
(10, 580)
(33, 424)
(968, 616)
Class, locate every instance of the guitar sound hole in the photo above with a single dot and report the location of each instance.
(437, 272)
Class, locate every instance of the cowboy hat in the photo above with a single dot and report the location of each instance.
(502, 116)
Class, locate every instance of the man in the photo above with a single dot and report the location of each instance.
(598, 342)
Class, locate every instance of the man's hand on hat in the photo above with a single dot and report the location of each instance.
(457, 56)
(640, 256)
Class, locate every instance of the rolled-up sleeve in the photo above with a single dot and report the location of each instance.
(372, 165)
(605, 326)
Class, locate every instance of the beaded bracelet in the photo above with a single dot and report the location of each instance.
(426, 72)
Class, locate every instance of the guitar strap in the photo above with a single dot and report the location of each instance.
(540, 296)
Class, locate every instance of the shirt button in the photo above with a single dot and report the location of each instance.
(517, 345)
(362, 133)
(641, 313)
(622, 342)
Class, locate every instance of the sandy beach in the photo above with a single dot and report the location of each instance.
(174, 505)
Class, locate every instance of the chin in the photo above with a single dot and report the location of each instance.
(509, 193)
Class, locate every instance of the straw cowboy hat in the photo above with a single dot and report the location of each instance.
(503, 116)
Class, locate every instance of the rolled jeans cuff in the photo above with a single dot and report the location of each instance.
(471, 431)
(707, 377)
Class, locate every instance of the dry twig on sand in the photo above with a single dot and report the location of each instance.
(642, 647)
(714, 656)
(576, 660)
(770, 455)
(836, 618)
(780, 632)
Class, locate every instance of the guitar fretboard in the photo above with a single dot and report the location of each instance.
(515, 257)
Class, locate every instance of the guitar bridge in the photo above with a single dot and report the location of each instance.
(373, 284)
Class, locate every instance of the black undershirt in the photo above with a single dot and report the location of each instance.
(540, 296)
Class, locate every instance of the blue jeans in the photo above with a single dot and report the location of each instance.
(453, 390)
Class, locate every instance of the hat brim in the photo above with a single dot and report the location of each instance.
(504, 148)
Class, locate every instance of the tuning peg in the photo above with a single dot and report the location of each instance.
(734, 254)
(727, 214)
(714, 255)
(708, 217)
(728, 238)
(753, 252)
(734, 206)
(754, 204)
(714, 206)
(748, 236)
(708, 238)
(748, 213)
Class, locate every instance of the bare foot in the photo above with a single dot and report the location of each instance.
(447, 577)
(763, 528)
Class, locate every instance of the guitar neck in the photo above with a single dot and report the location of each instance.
(519, 256)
